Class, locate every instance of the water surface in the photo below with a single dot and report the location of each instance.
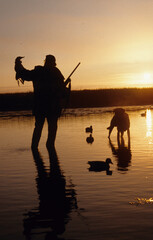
(68, 200)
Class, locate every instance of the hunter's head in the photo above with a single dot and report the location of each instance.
(50, 61)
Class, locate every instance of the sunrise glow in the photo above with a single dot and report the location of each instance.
(147, 76)
(113, 41)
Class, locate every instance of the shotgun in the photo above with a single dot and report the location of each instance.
(69, 87)
(73, 70)
(68, 78)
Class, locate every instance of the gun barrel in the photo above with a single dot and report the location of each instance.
(74, 70)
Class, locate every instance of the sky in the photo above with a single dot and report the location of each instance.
(113, 40)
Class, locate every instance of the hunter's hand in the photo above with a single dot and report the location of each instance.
(68, 80)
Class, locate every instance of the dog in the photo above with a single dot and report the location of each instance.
(121, 121)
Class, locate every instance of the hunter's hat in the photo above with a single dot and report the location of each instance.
(50, 58)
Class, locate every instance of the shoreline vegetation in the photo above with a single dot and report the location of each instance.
(84, 98)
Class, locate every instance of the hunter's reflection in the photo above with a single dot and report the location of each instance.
(56, 200)
(122, 153)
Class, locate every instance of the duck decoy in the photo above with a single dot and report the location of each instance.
(89, 129)
(143, 114)
(90, 139)
(99, 166)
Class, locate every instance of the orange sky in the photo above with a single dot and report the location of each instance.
(112, 39)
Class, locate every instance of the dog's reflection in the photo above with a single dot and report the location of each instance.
(122, 154)
(56, 200)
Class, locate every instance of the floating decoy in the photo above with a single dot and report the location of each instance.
(100, 165)
(143, 114)
(90, 139)
(89, 129)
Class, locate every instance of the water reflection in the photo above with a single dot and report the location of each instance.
(90, 139)
(142, 201)
(122, 154)
(148, 123)
(56, 200)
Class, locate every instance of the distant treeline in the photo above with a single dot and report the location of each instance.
(84, 98)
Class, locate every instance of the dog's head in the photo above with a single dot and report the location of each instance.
(119, 111)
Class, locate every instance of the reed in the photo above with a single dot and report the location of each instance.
(84, 98)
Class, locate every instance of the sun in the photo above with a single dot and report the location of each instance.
(147, 77)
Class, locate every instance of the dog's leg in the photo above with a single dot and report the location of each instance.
(118, 136)
(128, 134)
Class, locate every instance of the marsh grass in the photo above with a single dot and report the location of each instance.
(84, 98)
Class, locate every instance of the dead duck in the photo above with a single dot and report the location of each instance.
(89, 129)
(100, 165)
(90, 139)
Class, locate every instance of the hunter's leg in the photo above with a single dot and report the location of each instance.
(52, 129)
(39, 123)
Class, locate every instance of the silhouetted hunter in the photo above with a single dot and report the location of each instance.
(121, 121)
(49, 88)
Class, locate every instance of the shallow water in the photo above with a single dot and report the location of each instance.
(68, 200)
